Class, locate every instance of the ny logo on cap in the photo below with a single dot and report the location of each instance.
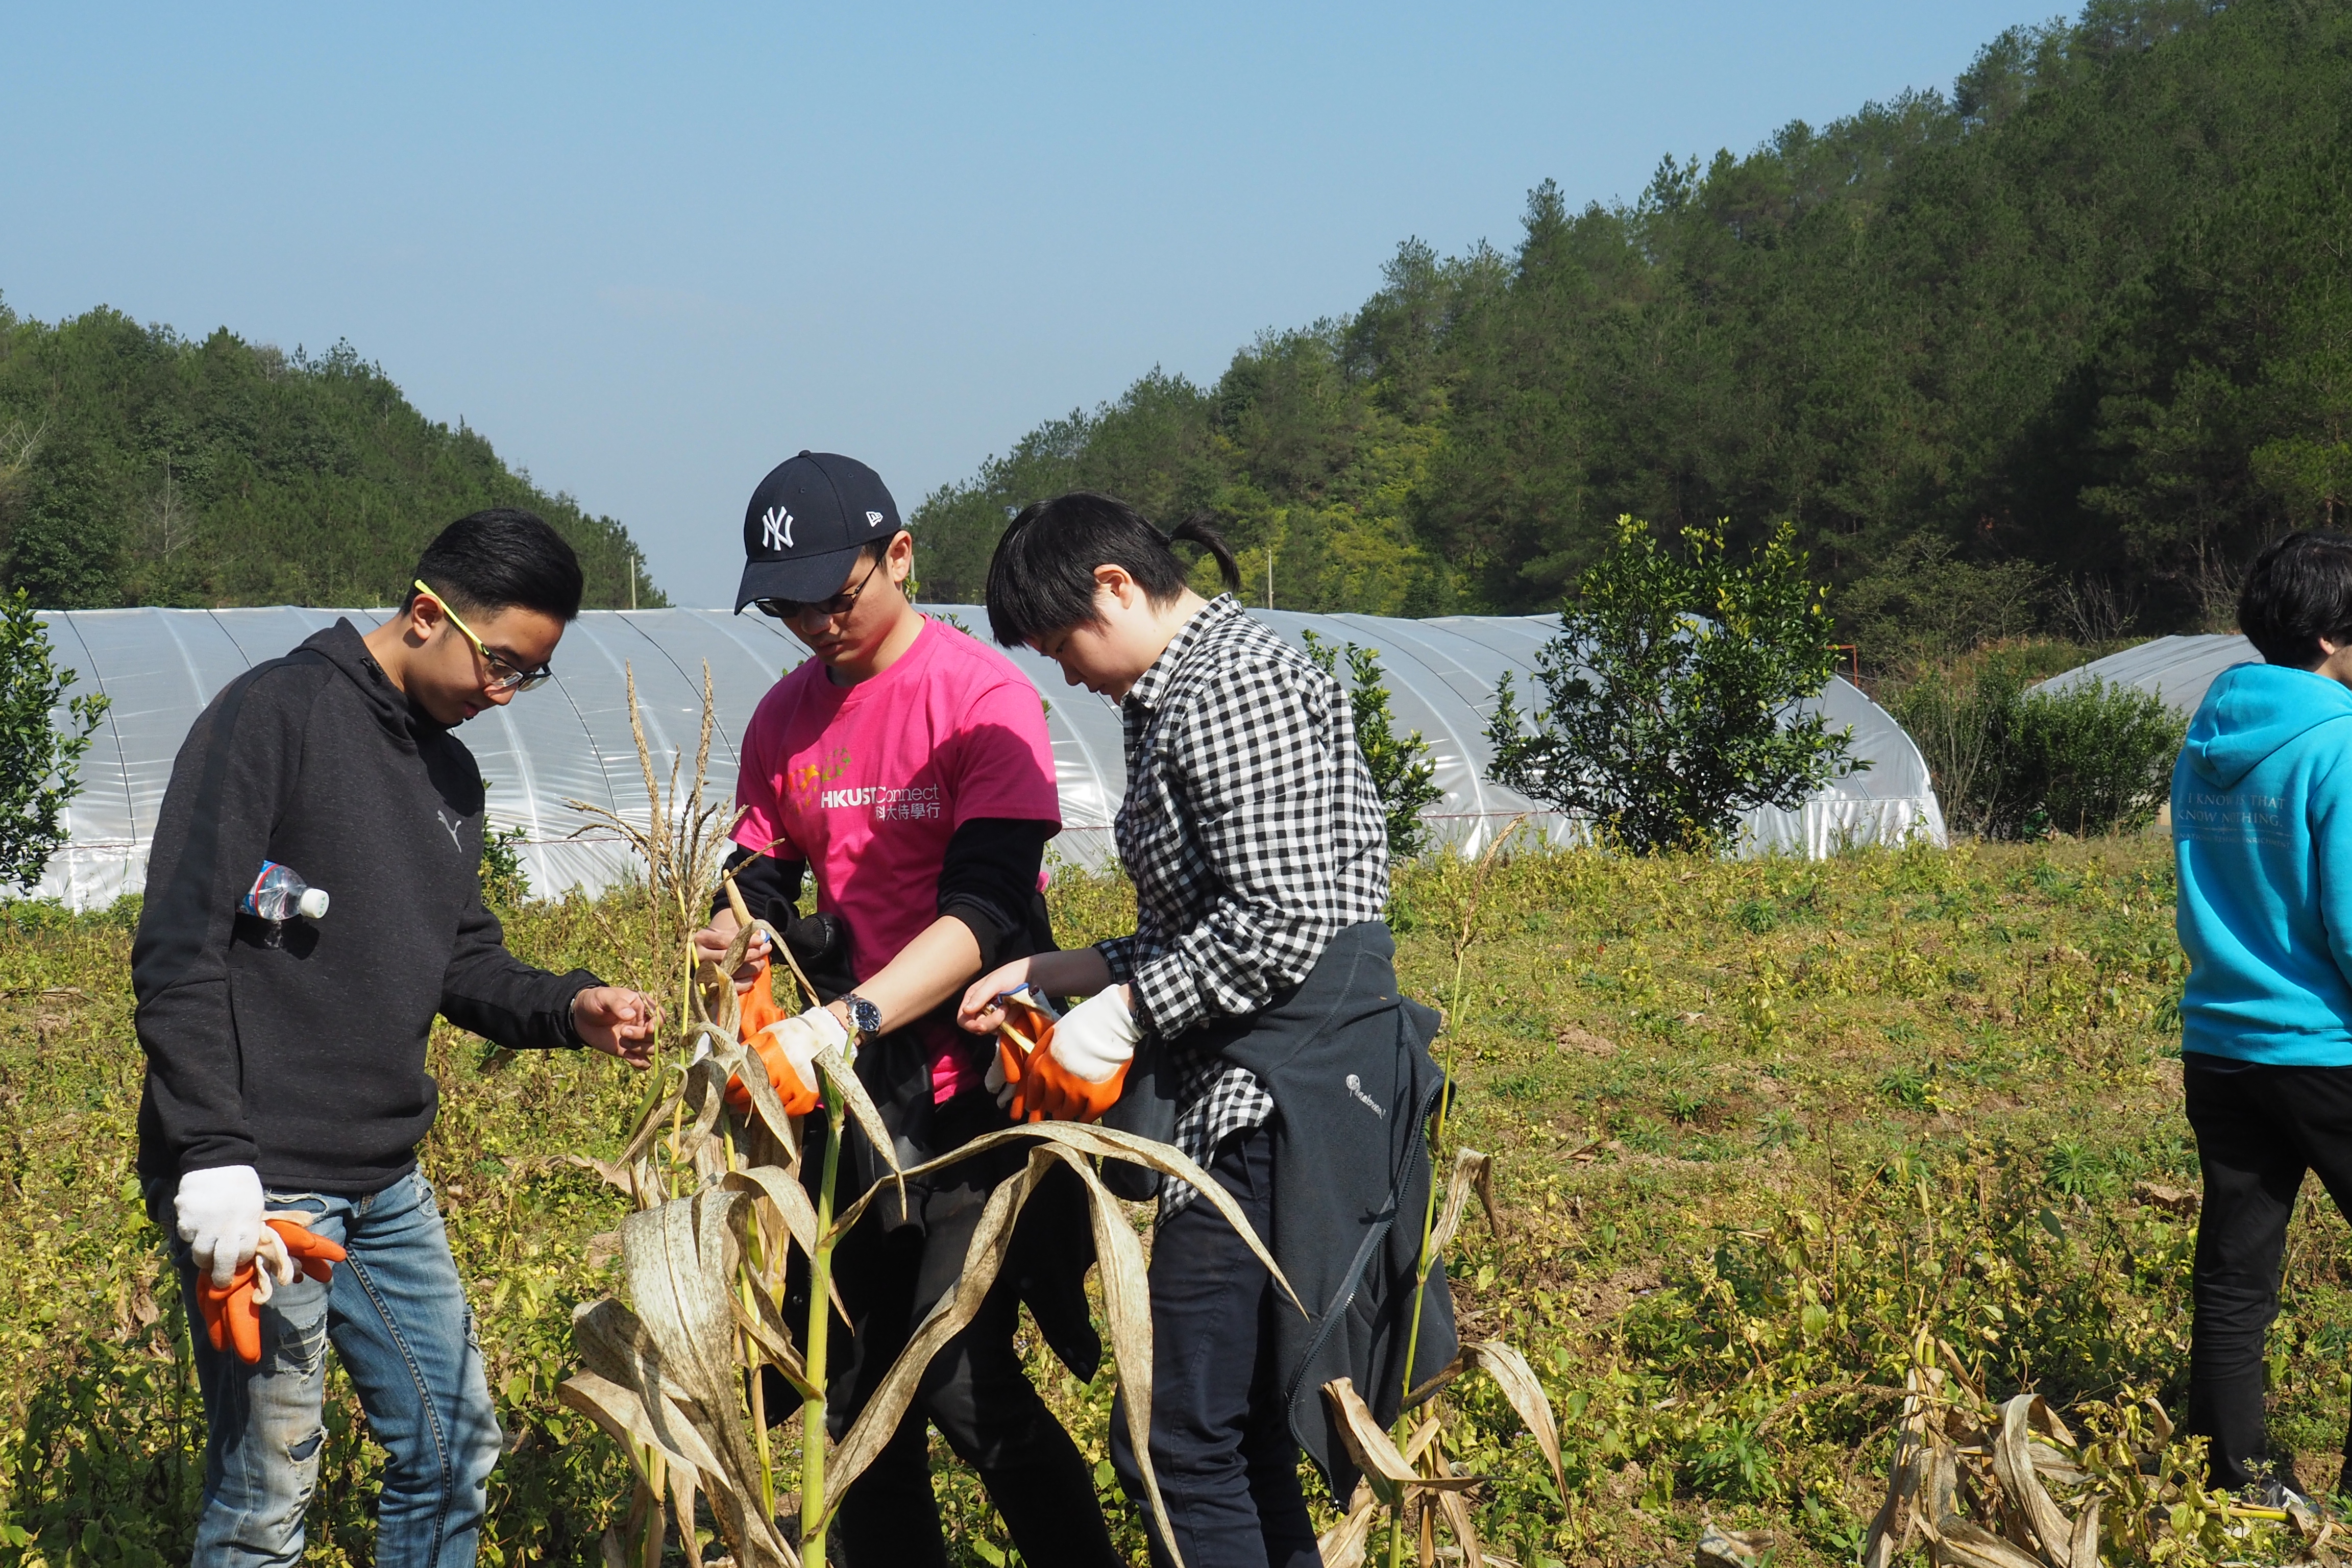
(775, 529)
(873, 519)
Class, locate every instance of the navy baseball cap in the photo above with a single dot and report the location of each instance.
(805, 525)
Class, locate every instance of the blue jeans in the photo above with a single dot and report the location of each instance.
(396, 1314)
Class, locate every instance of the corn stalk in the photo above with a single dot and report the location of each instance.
(722, 1203)
(1986, 1483)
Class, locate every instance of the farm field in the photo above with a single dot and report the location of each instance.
(1755, 1124)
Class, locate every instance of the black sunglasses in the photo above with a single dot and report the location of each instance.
(839, 605)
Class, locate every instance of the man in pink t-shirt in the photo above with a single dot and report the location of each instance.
(905, 767)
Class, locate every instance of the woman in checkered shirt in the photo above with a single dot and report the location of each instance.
(1259, 853)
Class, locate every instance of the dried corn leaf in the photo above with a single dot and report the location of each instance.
(1472, 1172)
(653, 1123)
(611, 1341)
(1721, 1548)
(1422, 1436)
(1127, 1313)
(2084, 1549)
(1388, 1472)
(1939, 1484)
(1961, 1545)
(1520, 1385)
(762, 1329)
(622, 1415)
(1959, 1370)
(618, 1176)
(681, 1268)
(984, 1256)
(1342, 1545)
(783, 1189)
(1456, 1510)
(2012, 1465)
(1898, 1518)
(1436, 1383)
(682, 1490)
(2044, 1420)
(1086, 1138)
(842, 1078)
(2048, 1461)
(2159, 1424)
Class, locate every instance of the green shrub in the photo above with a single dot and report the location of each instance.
(1669, 696)
(2013, 764)
(2096, 758)
(1404, 772)
(506, 881)
(38, 776)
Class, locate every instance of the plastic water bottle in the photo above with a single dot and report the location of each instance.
(277, 895)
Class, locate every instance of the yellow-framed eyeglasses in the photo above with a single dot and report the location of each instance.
(504, 675)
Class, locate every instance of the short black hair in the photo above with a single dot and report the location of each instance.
(1042, 578)
(496, 560)
(2299, 590)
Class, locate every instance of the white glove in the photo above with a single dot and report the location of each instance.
(219, 1213)
(818, 1029)
(1097, 1037)
(829, 1030)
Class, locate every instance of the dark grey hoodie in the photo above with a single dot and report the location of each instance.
(307, 1060)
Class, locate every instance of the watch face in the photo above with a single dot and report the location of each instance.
(866, 1014)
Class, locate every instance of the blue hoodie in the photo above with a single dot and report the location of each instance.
(2262, 828)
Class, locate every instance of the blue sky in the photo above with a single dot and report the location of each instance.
(650, 253)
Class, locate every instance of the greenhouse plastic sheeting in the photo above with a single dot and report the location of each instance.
(570, 739)
(2176, 669)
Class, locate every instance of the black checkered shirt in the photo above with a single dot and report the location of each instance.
(1253, 835)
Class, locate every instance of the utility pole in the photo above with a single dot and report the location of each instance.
(633, 579)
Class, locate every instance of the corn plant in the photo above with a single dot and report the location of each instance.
(1973, 1480)
(723, 1201)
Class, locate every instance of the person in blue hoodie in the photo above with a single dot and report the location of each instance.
(2262, 830)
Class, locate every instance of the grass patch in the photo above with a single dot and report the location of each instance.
(1738, 1157)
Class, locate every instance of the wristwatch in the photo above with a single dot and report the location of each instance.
(864, 1014)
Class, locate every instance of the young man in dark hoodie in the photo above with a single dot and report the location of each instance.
(2262, 830)
(286, 1062)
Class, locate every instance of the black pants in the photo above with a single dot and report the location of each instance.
(2259, 1128)
(1220, 1444)
(978, 1396)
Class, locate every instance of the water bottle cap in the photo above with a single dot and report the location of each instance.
(313, 903)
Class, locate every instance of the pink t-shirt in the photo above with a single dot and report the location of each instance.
(866, 784)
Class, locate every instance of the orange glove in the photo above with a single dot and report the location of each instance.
(760, 1014)
(1052, 1092)
(1025, 1030)
(231, 1319)
(233, 1315)
(314, 1255)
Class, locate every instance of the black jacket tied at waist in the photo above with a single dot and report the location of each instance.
(1346, 1056)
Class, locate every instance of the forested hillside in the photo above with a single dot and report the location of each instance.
(138, 466)
(2066, 344)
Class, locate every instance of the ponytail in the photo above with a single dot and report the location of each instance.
(1195, 530)
(1041, 577)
